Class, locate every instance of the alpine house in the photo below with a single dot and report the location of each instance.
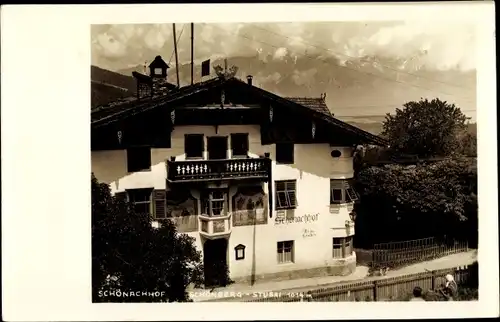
(262, 182)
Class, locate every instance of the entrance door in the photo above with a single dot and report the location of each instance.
(215, 262)
(217, 147)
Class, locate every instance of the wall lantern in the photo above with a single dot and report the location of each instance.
(239, 252)
(352, 215)
(271, 113)
(120, 136)
(172, 116)
(313, 129)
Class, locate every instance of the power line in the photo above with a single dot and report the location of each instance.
(364, 72)
(345, 55)
(178, 39)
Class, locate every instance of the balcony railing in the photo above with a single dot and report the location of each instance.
(213, 227)
(228, 169)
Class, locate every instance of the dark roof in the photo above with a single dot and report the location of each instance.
(108, 113)
(142, 78)
(104, 115)
(158, 62)
(313, 103)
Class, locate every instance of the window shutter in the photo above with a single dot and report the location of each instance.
(159, 203)
(122, 196)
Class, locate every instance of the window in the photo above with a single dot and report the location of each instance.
(337, 248)
(138, 159)
(194, 145)
(214, 203)
(285, 252)
(239, 252)
(284, 153)
(341, 191)
(286, 197)
(239, 144)
(141, 200)
(158, 71)
(351, 195)
(342, 247)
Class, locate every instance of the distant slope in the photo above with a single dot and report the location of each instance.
(107, 86)
(357, 89)
(376, 127)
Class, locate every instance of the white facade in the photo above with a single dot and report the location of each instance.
(312, 236)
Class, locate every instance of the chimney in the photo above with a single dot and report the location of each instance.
(158, 73)
(249, 79)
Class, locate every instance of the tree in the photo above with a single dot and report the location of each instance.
(425, 128)
(411, 202)
(468, 144)
(129, 254)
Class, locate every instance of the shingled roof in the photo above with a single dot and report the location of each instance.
(314, 103)
(106, 114)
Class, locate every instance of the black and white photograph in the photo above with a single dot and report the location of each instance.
(283, 161)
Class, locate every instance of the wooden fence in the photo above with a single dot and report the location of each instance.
(380, 289)
(397, 254)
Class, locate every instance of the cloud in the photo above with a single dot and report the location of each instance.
(280, 53)
(304, 77)
(273, 78)
(415, 44)
(110, 46)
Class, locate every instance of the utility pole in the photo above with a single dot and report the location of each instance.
(176, 56)
(192, 53)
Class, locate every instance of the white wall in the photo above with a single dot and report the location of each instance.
(312, 169)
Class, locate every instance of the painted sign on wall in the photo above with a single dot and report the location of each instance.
(307, 218)
(308, 233)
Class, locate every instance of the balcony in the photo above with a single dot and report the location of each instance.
(214, 170)
(214, 227)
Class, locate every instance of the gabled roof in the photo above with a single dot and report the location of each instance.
(104, 115)
(313, 103)
(142, 78)
(158, 62)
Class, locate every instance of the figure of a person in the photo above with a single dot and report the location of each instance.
(417, 294)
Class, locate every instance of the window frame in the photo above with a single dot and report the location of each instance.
(282, 251)
(246, 144)
(208, 201)
(347, 192)
(288, 192)
(337, 247)
(188, 150)
(342, 247)
(134, 154)
(281, 148)
(149, 201)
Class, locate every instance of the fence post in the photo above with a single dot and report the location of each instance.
(433, 280)
(375, 291)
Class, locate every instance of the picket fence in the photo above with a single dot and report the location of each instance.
(376, 289)
(398, 254)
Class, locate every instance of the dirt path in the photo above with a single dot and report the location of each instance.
(361, 274)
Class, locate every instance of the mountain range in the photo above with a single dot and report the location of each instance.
(359, 92)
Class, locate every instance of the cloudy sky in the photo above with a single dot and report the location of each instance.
(436, 46)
